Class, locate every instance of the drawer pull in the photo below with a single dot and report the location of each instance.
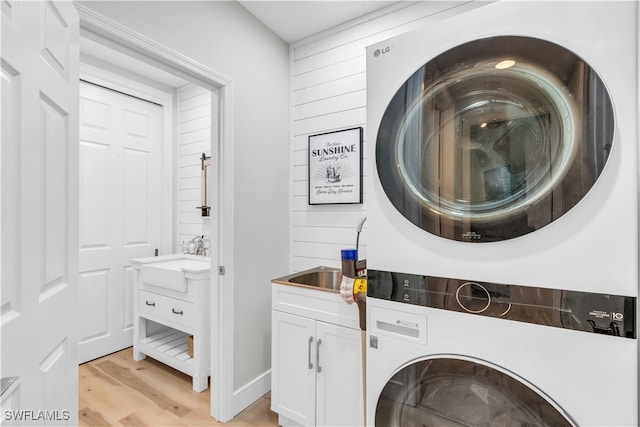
(152, 304)
(177, 312)
(309, 353)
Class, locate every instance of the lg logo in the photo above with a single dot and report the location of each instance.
(382, 51)
(617, 316)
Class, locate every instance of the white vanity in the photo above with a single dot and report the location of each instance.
(170, 304)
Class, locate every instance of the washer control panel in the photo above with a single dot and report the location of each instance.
(584, 311)
(473, 297)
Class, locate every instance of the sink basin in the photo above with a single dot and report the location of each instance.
(326, 278)
(169, 271)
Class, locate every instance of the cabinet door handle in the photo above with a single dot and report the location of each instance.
(176, 312)
(318, 368)
(309, 353)
(152, 304)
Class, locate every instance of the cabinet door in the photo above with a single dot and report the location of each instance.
(293, 371)
(340, 396)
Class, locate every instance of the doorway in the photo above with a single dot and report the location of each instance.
(126, 42)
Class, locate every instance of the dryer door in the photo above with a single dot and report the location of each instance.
(450, 392)
(494, 139)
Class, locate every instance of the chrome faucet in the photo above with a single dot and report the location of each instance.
(359, 230)
(198, 243)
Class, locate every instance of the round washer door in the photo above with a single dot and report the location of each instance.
(451, 392)
(494, 139)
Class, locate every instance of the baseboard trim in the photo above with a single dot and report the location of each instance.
(250, 392)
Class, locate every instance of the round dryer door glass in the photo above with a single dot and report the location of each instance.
(494, 139)
(454, 393)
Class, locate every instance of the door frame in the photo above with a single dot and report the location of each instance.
(116, 36)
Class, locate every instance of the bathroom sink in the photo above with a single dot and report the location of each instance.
(169, 271)
(325, 278)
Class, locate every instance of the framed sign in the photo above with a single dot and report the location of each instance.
(335, 167)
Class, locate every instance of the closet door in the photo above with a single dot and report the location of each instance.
(120, 204)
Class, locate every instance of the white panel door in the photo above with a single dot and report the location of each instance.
(120, 203)
(39, 170)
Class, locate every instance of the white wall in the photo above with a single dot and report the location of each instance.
(194, 139)
(329, 93)
(225, 37)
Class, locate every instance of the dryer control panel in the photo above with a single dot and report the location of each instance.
(583, 311)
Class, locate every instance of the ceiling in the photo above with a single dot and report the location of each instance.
(296, 20)
(292, 20)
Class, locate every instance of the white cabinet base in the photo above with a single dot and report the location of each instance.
(316, 374)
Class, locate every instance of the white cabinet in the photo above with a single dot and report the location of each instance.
(339, 387)
(316, 374)
(171, 303)
(293, 374)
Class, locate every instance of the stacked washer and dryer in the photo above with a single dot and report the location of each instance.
(503, 218)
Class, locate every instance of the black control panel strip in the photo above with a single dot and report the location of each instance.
(583, 311)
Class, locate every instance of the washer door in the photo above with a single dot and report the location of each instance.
(454, 393)
(494, 139)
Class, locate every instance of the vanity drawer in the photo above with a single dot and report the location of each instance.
(161, 308)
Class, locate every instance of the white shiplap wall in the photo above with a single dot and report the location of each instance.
(329, 93)
(194, 138)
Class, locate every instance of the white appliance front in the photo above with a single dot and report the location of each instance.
(428, 366)
(503, 214)
(567, 109)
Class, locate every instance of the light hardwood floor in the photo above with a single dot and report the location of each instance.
(115, 390)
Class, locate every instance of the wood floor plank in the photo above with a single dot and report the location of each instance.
(125, 376)
(118, 391)
(95, 372)
(108, 396)
(200, 417)
(155, 418)
(152, 418)
(91, 418)
(132, 420)
(168, 381)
